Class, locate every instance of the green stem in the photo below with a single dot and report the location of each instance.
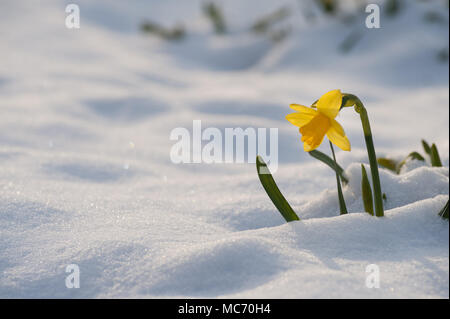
(342, 206)
(378, 199)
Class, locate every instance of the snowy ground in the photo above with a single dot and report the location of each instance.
(86, 176)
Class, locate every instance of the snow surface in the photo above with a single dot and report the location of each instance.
(86, 176)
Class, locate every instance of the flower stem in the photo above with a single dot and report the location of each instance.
(378, 199)
(342, 206)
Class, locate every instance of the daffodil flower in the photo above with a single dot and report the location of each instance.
(315, 124)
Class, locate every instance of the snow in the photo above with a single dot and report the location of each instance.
(86, 176)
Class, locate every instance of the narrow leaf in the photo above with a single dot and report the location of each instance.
(272, 190)
(328, 161)
(214, 13)
(342, 206)
(444, 211)
(266, 22)
(416, 156)
(412, 156)
(392, 7)
(435, 158)
(176, 33)
(426, 147)
(366, 192)
(388, 163)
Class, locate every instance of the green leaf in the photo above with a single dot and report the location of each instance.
(366, 192)
(272, 190)
(266, 22)
(328, 6)
(412, 156)
(214, 13)
(342, 206)
(388, 163)
(416, 156)
(426, 147)
(176, 33)
(444, 211)
(350, 42)
(435, 158)
(392, 7)
(328, 161)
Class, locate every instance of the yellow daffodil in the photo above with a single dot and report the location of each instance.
(315, 124)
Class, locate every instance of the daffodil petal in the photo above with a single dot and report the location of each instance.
(330, 103)
(338, 127)
(299, 119)
(303, 109)
(308, 148)
(314, 131)
(337, 136)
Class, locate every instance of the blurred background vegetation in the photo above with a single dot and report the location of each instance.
(276, 25)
